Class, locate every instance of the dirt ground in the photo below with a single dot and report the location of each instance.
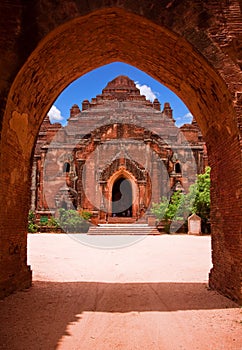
(149, 295)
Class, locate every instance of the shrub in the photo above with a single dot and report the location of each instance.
(86, 215)
(72, 221)
(32, 226)
(53, 222)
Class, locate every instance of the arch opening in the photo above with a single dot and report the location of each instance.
(66, 167)
(178, 168)
(122, 198)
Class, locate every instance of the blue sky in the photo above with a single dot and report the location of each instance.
(92, 83)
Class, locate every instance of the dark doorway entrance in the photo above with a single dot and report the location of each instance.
(122, 198)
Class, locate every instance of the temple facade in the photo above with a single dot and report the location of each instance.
(117, 155)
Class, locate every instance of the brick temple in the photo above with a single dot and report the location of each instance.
(117, 155)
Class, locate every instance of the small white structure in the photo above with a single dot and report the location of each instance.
(194, 225)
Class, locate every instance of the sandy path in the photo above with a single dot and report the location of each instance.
(150, 295)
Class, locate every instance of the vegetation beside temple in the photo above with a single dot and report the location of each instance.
(67, 221)
(180, 206)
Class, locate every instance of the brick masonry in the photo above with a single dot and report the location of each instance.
(193, 47)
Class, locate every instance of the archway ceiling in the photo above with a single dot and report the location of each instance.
(109, 35)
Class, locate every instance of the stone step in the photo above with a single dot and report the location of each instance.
(122, 229)
(117, 225)
(116, 220)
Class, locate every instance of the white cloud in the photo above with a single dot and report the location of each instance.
(146, 90)
(188, 116)
(185, 119)
(55, 114)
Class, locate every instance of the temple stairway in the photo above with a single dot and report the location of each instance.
(123, 229)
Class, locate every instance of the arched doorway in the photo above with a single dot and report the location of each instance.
(122, 198)
(129, 177)
(194, 67)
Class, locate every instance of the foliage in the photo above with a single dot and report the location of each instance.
(31, 216)
(180, 205)
(201, 204)
(160, 209)
(32, 227)
(53, 222)
(72, 221)
(176, 202)
(86, 215)
(69, 220)
(168, 209)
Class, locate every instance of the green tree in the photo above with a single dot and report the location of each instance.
(168, 209)
(160, 209)
(180, 205)
(197, 200)
(201, 188)
(174, 208)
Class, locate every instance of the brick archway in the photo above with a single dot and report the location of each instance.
(98, 38)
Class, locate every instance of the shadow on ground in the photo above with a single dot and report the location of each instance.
(38, 318)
